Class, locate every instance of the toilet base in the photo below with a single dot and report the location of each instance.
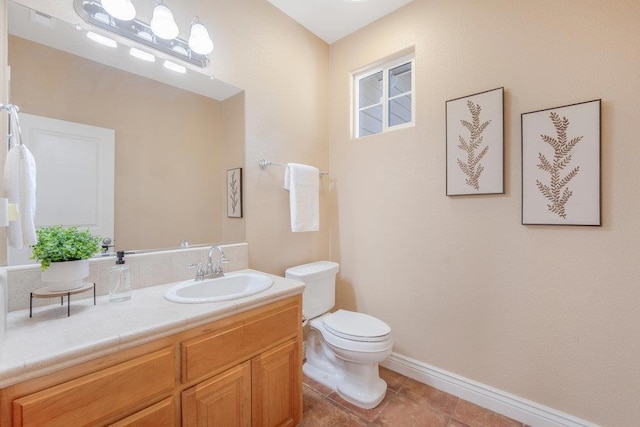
(321, 364)
(361, 386)
(350, 387)
(330, 380)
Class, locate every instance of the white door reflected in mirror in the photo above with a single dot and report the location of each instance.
(74, 176)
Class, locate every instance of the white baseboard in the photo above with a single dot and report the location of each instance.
(525, 411)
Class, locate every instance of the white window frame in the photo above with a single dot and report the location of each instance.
(385, 67)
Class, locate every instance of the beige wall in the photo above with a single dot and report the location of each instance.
(232, 150)
(169, 142)
(284, 72)
(547, 313)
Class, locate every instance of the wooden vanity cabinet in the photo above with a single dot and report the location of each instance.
(264, 391)
(243, 370)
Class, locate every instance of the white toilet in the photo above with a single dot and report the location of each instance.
(342, 349)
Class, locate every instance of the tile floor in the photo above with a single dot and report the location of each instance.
(407, 403)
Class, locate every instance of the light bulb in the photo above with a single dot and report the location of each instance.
(120, 9)
(163, 24)
(199, 41)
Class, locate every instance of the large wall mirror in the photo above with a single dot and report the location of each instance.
(172, 146)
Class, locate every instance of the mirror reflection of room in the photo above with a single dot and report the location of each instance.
(172, 146)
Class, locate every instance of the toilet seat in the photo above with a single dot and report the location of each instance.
(382, 344)
(354, 326)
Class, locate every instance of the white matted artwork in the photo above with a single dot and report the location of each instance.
(234, 193)
(475, 144)
(561, 165)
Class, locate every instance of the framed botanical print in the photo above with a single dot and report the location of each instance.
(561, 165)
(234, 193)
(475, 144)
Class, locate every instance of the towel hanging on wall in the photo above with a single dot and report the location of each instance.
(20, 189)
(303, 183)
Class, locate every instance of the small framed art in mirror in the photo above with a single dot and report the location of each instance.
(234, 193)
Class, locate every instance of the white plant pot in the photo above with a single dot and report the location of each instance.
(65, 276)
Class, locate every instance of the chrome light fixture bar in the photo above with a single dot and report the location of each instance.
(93, 13)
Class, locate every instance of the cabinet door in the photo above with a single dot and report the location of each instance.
(277, 386)
(224, 400)
(162, 414)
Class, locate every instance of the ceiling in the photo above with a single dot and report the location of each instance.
(332, 20)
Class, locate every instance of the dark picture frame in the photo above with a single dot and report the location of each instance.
(561, 165)
(475, 143)
(234, 193)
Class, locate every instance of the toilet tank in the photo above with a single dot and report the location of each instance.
(320, 291)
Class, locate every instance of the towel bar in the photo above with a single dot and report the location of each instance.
(265, 163)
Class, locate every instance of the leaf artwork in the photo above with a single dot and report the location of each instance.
(233, 192)
(557, 191)
(473, 168)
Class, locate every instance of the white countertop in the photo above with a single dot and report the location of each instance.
(50, 341)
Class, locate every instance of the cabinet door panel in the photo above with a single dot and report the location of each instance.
(224, 400)
(99, 396)
(162, 414)
(277, 386)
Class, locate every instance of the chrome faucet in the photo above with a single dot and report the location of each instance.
(216, 271)
(203, 272)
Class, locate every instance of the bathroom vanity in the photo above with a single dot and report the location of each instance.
(236, 363)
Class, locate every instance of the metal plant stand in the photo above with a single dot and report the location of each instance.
(46, 293)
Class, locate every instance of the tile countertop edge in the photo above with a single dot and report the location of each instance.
(24, 370)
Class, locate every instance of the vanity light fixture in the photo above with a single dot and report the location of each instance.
(120, 9)
(99, 38)
(141, 54)
(160, 34)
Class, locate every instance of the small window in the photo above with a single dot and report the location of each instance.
(384, 97)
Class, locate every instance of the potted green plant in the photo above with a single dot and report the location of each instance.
(63, 253)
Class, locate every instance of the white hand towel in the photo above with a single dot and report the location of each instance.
(303, 183)
(20, 188)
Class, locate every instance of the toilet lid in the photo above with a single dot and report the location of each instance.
(356, 326)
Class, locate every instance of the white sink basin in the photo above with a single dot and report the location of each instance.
(229, 287)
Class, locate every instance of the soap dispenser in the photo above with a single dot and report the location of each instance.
(119, 280)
